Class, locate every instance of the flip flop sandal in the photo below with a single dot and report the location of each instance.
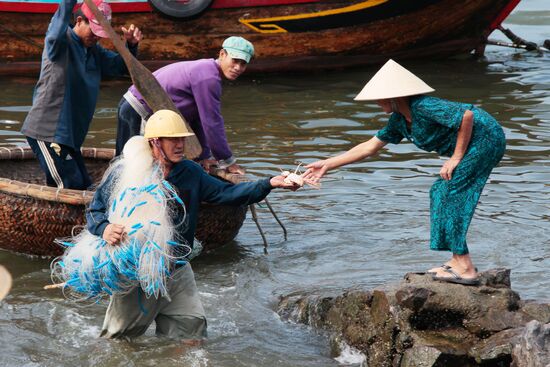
(444, 267)
(457, 279)
(432, 273)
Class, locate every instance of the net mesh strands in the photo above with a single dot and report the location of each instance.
(138, 198)
(91, 269)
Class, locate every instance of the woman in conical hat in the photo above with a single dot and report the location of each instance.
(471, 138)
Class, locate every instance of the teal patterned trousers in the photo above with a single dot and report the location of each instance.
(453, 202)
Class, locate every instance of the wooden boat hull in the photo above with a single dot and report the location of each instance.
(296, 37)
(33, 215)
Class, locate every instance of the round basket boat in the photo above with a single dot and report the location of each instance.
(33, 215)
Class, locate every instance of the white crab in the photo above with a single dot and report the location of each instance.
(298, 179)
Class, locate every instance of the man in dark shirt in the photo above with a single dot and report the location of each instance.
(179, 313)
(65, 96)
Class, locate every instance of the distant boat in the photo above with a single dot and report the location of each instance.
(289, 35)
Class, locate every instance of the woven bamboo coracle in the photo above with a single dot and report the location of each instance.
(33, 215)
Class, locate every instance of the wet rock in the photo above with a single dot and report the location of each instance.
(425, 356)
(497, 347)
(420, 356)
(412, 298)
(537, 311)
(496, 278)
(533, 347)
(421, 322)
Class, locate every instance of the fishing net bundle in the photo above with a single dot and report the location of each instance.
(91, 269)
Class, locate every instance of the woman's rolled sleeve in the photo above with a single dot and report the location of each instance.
(390, 133)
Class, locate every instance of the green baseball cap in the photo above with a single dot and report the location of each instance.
(239, 48)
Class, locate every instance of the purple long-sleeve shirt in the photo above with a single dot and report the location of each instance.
(196, 88)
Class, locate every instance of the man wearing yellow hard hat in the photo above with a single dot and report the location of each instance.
(155, 284)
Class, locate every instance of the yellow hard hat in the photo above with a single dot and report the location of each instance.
(166, 124)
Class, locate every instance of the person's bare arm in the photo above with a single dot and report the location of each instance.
(316, 170)
(462, 141)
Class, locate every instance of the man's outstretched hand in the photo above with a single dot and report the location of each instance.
(279, 182)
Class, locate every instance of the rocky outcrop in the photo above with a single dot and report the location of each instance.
(533, 347)
(421, 322)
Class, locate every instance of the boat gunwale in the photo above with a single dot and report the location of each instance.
(43, 192)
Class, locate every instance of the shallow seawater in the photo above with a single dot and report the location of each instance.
(368, 225)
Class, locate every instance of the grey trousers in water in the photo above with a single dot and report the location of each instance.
(128, 316)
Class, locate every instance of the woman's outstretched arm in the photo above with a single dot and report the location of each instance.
(316, 170)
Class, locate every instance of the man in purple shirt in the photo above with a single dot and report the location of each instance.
(196, 88)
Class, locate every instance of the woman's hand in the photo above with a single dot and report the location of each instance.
(279, 181)
(316, 170)
(132, 35)
(448, 168)
(114, 234)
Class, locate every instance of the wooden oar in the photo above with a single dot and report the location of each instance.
(145, 82)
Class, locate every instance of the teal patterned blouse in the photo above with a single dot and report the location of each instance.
(434, 128)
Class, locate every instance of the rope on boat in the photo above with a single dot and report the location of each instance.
(276, 218)
(518, 42)
(242, 178)
(529, 46)
(255, 218)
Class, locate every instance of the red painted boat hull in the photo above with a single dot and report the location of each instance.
(296, 35)
(138, 6)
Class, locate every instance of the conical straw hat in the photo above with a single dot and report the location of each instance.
(5, 282)
(392, 81)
